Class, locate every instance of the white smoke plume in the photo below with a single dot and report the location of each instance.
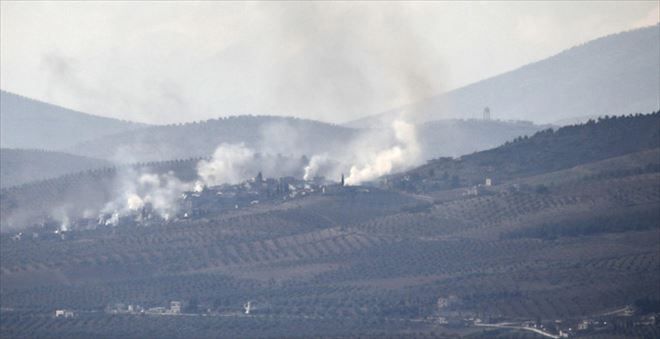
(235, 163)
(404, 153)
(61, 215)
(228, 165)
(316, 165)
(159, 191)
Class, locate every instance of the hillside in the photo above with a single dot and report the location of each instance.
(611, 75)
(74, 193)
(294, 137)
(546, 151)
(550, 240)
(268, 134)
(111, 140)
(32, 124)
(454, 137)
(19, 166)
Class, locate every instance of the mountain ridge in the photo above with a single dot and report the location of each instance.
(576, 82)
(34, 124)
(20, 166)
(546, 151)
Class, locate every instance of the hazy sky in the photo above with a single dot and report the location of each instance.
(164, 62)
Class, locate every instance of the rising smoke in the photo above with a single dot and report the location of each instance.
(373, 56)
(403, 154)
(322, 60)
(158, 192)
(68, 80)
(374, 153)
(227, 166)
(336, 59)
(234, 163)
(317, 164)
(332, 61)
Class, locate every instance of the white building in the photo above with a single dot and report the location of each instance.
(64, 313)
(584, 325)
(175, 307)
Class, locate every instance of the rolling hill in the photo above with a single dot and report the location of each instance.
(32, 124)
(20, 166)
(268, 134)
(454, 137)
(76, 192)
(293, 137)
(546, 151)
(611, 75)
(568, 231)
(51, 127)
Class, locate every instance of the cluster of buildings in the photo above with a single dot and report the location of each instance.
(449, 315)
(121, 308)
(64, 313)
(606, 323)
(200, 202)
(174, 309)
(624, 319)
(479, 189)
(253, 192)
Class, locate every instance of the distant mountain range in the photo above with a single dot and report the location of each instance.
(454, 137)
(81, 138)
(289, 136)
(18, 166)
(267, 134)
(33, 124)
(613, 75)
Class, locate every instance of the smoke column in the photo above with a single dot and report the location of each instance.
(159, 191)
(228, 165)
(403, 154)
(316, 163)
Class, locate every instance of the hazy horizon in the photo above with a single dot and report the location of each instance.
(197, 60)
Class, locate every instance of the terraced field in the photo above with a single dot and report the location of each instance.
(578, 242)
(298, 259)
